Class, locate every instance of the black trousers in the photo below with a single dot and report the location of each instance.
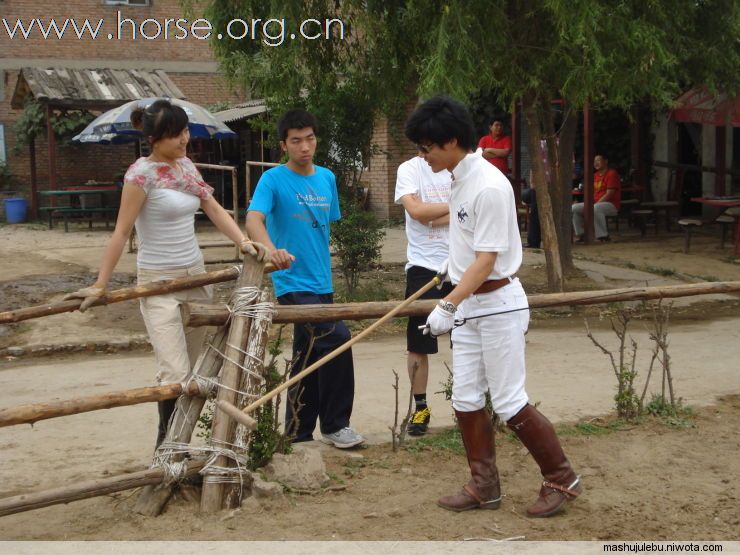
(534, 237)
(327, 393)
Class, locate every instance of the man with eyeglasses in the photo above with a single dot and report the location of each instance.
(424, 196)
(292, 209)
(489, 312)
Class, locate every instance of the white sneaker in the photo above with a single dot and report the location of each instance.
(343, 439)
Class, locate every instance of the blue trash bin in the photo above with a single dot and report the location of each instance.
(15, 210)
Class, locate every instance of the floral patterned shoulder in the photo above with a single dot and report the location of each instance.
(148, 175)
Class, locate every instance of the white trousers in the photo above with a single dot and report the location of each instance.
(601, 211)
(176, 348)
(488, 352)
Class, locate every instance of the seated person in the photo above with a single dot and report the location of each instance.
(607, 195)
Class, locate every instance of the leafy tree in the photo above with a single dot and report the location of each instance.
(609, 53)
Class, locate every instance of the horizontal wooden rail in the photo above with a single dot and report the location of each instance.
(28, 414)
(196, 314)
(125, 294)
(84, 490)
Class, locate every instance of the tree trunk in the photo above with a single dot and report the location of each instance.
(534, 116)
(563, 214)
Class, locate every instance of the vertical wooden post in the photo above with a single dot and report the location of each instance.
(248, 189)
(588, 174)
(720, 160)
(52, 149)
(516, 147)
(235, 205)
(223, 426)
(252, 384)
(34, 179)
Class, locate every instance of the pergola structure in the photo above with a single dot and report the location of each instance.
(83, 89)
(698, 105)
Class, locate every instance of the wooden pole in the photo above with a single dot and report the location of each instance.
(93, 488)
(252, 380)
(52, 144)
(34, 179)
(235, 205)
(588, 174)
(233, 412)
(339, 350)
(125, 294)
(28, 414)
(195, 314)
(223, 426)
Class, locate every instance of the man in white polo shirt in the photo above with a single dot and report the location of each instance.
(489, 307)
(424, 195)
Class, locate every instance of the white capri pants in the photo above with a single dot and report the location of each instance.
(488, 352)
(176, 348)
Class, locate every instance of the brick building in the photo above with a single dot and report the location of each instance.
(121, 43)
(380, 175)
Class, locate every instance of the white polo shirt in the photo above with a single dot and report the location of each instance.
(482, 218)
(427, 246)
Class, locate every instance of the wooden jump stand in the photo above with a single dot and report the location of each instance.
(227, 352)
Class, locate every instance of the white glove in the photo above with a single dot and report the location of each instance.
(88, 295)
(439, 322)
(442, 273)
(258, 250)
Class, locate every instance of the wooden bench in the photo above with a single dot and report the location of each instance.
(87, 213)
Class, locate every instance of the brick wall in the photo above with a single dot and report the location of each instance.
(77, 164)
(393, 149)
(125, 49)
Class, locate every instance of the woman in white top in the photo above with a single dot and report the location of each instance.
(161, 194)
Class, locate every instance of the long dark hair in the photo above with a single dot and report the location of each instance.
(160, 120)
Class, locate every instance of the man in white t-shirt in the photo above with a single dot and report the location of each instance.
(424, 195)
(489, 313)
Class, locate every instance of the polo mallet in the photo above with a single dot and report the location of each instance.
(249, 422)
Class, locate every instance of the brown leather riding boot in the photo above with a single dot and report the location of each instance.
(483, 490)
(561, 484)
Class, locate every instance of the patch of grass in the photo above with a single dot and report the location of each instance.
(675, 416)
(666, 272)
(446, 440)
(590, 428)
(706, 278)
(630, 266)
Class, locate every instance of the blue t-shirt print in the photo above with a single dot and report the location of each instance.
(298, 211)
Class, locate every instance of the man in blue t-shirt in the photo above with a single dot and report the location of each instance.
(292, 209)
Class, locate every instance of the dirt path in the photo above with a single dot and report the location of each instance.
(648, 482)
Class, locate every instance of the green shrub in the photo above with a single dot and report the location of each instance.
(357, 239)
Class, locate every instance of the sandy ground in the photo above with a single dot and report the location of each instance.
(648, 482)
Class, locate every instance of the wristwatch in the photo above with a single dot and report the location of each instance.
(447, 306)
